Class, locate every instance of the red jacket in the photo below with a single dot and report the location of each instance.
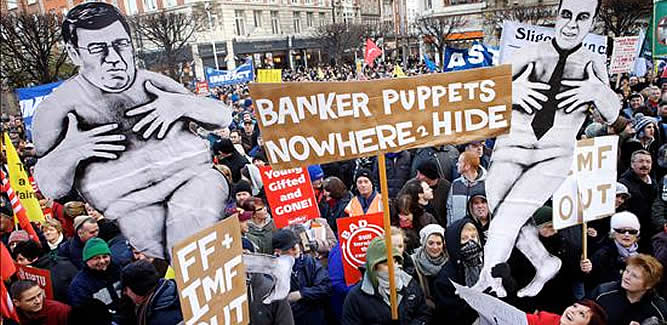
(53, 313)
(543, 318)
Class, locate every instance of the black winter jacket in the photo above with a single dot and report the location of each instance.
(620, 311)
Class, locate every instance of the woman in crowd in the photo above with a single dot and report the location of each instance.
(336, 198)
(633, 300)
(584, 312)
(410, 214)
(429, 259)
(53, 233)
(260, 225)
(608, 261)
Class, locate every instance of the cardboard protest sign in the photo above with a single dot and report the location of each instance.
(516, 36)
(589, 191)
(211, 276)
(201, 88)
(355, 234)
(40, 276)
(624, 54)
(363, 118)
(492, 311)
(269, 75)
(290, 195)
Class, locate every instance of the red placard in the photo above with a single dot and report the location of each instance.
(202, 88)
(290, 195)
(355, 234)
(40, 276)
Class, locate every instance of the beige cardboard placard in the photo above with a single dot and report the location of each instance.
(211, 276)
(318, 122)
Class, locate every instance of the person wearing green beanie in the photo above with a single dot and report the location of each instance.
(99, 279)
(368, 302)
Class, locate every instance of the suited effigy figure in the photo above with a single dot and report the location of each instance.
(118, 136)
(554, 84)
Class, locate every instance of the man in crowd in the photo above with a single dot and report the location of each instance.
(228, 156)
(310, 286)
(85, 227)
(470, 183)
(427, 172)
(155, 299)
(643, 189)
(369, 200)
(62, 271)
(34, 309)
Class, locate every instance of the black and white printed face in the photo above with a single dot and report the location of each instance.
(575, 20)
(106, 57)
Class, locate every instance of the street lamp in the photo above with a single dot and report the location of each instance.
(207, 7)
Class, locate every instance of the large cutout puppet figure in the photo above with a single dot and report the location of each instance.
(118, 136)
(554, 83)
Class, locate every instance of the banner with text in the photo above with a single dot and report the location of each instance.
(40, 276)
(290, 194)
(269, 75)
(347, 120)
(589, 192)
(242, 73)
(624, 54)
(355, 234)
(29, 98)
(211, 276)
(477, 56)
(516, 36)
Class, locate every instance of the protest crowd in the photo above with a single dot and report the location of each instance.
(439, 216)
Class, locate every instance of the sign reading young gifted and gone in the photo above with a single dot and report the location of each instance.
(317, 122)
(355, 234)
(290, 195)
(211, 276)
(40, 276)
(589, 191)
(624, 54)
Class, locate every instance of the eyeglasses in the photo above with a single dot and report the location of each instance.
(260, 209)
(626, 231)
(99, 48)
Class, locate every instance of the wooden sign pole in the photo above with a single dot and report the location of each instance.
(387, 235)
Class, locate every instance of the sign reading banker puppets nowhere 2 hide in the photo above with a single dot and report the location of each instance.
(319, 122)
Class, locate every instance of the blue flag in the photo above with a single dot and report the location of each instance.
(29, 98)
(242, 73)
(429, 64)
(477, 56)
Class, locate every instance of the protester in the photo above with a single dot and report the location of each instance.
(429, 259)
(156, 299)
(61, 270)
(642, 188)
(470, 183)
(584, 312)
(398, 170)
(633, 298)
(227, 155)
(260, 226)
(53, 233)
(478, 210)
(86, 227)
(309, 286)
(410, 214)
(428, 172)
(368, 302)
(336, 198)
(34, 309)
(369, 200)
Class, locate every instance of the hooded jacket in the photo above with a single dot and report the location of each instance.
(448, 304)
(276, 313)
(445, 156)
(461, 192)
(484, 228)
(163, 306)
(312, 281)
(62, 273)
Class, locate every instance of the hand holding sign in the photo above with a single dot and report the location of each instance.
(526, 93)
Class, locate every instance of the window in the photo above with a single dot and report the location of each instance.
(150, 5)
(131, 7)
(257, 18)
(297, 22)
(30, 2)
(428, 4)
(308, 2)
(239, 19)
(171, 3)
(295, 2)
(275, 22)
(12, 4)
(309, 19)
(323, 19)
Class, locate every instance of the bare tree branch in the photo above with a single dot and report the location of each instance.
(338, 38)
(533, 15)
(437, 31)
(623, 17)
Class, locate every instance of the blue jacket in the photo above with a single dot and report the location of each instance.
(164, 307)
(312, 281)
(103, 286)
(73, 251)
(337, 277)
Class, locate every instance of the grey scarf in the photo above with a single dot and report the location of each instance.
(625, 252)
(428, 265)
(402, 280)
(472, 259)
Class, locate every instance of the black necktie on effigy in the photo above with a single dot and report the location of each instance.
(544, 118)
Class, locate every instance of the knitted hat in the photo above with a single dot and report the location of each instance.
(315, 172)
(95, 247)
(18, 236)
(429, 169)
(284, 239)
(242, 186)
(363, 172)
(640, 122)
(624, 220)
(622, 189)
(429, 230)
(80, 220)
(223, 145)
(140, 276)
(543, 215)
